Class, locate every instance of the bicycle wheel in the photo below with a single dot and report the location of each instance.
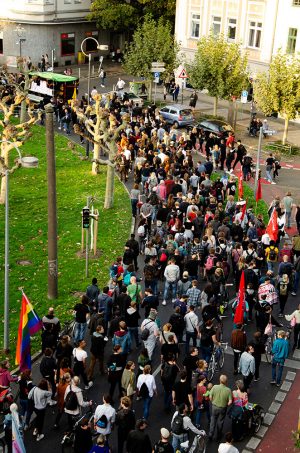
(211, 368)
(268, 350)
(221, 358)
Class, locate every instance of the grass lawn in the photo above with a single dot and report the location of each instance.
(28, 231)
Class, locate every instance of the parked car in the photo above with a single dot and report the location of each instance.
(219, 128)
(178, 115)
(130, 96)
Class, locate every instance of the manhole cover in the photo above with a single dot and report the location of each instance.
(24, 262)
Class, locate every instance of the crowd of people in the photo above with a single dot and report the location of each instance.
(193, 241)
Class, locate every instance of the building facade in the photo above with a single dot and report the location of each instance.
(36, 27)
(261, 26)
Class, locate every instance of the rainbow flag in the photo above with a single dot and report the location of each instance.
(29, 324)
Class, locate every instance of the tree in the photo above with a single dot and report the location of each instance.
(279, 89)
(103, 132)
(120, 15)
(152, 41)
(218, 67)
(10, 132)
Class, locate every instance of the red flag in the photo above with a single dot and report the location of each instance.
(240, 308)
(244, 211)
(272, 228)
(241, 189)
(258, 195)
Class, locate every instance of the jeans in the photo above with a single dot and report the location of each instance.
(296, 281)
(39, 420)
(92, 366)
(146, 406)
(280, 370)
(217, 420)
(236, 358)
(188, 337)
(172, 286)
(134, 207)
(269, 176)
(134, 334)
(24, 411)
(206, 352)
(296, 336)
(288, 215)
(79, 331)
(199, 412)
(247, 381)
(177, 440)
(270, 265)
(153, 284)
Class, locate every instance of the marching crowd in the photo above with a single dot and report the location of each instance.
(196, 240)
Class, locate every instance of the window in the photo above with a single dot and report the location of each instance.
(1, 42)
(67, 44)
(231, 29)
(90, 44)
(67, 2)
(296, 2)
(255, 34)
(195, 26)
(292, 38)
(216, 25)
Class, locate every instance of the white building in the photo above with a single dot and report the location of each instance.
(46, 25)
(261, 26)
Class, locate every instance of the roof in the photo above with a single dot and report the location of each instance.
(54, 76)
(176, 106)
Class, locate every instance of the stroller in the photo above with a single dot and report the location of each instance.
(198, 445)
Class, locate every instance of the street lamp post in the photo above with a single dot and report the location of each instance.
(20, 32)
(26, 162)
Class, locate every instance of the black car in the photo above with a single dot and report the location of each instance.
(219, 128)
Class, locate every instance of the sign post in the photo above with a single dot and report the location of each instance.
(244, 97)
(183, 75)
(157, 68)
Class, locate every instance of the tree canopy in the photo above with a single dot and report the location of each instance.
(152, 41)
(120, 15)
(278, 90)
(219, 67)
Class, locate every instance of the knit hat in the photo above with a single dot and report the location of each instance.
(152, 314)
(165, 433)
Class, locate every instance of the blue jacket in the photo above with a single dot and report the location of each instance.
(280, 350)
(122, 338)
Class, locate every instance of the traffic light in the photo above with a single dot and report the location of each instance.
(85, 217)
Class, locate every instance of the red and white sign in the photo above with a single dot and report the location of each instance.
(183, 74)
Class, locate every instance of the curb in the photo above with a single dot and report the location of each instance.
(269, 417)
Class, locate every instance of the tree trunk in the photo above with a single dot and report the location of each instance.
(230, 114)
(23, 114)
(110, 187)
(150, 91)
(285, 132)
(215, 106)
(96, 157)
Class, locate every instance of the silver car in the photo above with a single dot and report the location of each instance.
(177, 114)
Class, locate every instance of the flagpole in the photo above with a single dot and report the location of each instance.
(258, 159)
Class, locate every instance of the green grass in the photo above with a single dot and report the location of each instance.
(28, 231)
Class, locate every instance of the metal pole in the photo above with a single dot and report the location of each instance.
(20, 42)
(87, 243)
(6, 268)
(89, 78)
(258, 158)
(52, 58)
(52, 214)
(182, 92)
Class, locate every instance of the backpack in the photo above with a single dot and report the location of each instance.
(283, 289)
(195, 377)
(71, 401)
(144, 391)
(113, 271)
(210, 262)
(102, 422)
(148, 273)
(141, 231)
(127, 278)
(166, 375)
(145, 333)
(272, 254)
(163, 257)
(177, 425)
(249, 257)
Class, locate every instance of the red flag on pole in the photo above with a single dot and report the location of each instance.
(258, 195)
(241, 190)
(272, 228)
(240, 308)
(244, 211)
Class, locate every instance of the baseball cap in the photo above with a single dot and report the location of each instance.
(165, 433)
(185, 274)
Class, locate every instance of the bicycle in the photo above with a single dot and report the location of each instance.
(68, 329)
(271, 339)
(217, 360)
(69, 436)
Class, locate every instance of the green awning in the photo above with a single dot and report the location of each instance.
(54, 76)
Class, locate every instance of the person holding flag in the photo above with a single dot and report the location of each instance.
(29, 324)
(240, 187)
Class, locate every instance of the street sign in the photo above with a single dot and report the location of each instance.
(244, 97)
(156, 75)
(157, 63)
(158, 69)
(183, 74)
(156, 80)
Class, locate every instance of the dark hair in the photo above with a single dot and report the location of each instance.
(228, 437)
(84, 421)
(48, 352)
(43, 384)
(182, 374)
(85, 300)
(94, 281)
(107, 398)
(181, 408)
(105, 289)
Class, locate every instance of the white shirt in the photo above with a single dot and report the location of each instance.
(227, 448)
(79, 354)
(191, 321)
(265, 239)
(127, 154)
(120, 84)
(149, 380)
(109, 412)
(151, 326)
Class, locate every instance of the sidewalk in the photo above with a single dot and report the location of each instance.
(279, 435)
